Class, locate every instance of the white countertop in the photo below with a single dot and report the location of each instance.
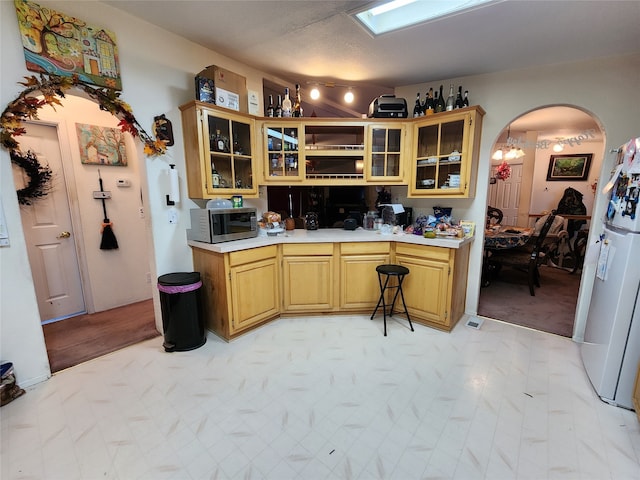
(329, 235)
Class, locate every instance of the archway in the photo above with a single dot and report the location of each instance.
(526, 195)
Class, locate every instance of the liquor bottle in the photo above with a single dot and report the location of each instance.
(237, 149)
(215, 176)
(270, 107)
(297, 104)
(459, 102)
(286, 104)
(430, 107)
(465, 100)
(218, 142)
(417, 109)
(439, 102)
(278, 111)
(451, 100)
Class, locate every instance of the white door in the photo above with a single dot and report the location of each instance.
(49, 233)
(505, 195)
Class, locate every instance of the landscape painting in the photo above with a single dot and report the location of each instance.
(569, 167)
(101, 145)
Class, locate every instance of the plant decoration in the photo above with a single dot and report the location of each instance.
(52, 88)
(503, 171)
(39, 177)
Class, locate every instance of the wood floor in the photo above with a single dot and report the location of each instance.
(78, 339)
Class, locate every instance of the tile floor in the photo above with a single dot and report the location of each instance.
(326, 398)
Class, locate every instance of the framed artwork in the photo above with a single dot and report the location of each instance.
(101, 145)
(569, 167)
(56, 43)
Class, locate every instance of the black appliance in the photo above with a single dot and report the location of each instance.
(388, 106)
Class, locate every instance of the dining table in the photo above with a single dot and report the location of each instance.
(501, 237)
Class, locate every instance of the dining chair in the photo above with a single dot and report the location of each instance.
(494, 216)
(528, 257)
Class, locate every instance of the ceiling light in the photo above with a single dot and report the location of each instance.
(315, 93)
(559, 146)
(348, 97)
(399, 14)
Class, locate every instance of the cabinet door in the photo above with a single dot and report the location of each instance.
(255, 293)
(386, 143)
(426, 289)
(445, 152)
(229, 147)
(360, 289)
(283, 147)
(308, 282)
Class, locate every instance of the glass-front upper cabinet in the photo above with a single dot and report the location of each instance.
(282, 152)
(218, 151)
(445, 156)
(386, 144)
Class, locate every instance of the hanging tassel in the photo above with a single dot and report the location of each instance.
(109, 241)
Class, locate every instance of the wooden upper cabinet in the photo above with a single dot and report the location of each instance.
(445, 153)
(220, 151)
(387, 147)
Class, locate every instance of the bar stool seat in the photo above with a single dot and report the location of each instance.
(388, 271)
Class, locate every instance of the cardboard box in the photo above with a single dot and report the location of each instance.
(229, 89)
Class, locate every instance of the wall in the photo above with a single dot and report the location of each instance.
(508, 95)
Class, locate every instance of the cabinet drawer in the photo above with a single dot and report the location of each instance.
(424, 251)
(252, 255)
(306, 249)
(364, 248)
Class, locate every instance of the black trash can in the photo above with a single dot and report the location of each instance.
(181, 306)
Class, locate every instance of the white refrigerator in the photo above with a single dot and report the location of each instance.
(611, 348)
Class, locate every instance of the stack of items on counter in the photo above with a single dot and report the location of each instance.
(271, 224)
(440, 224)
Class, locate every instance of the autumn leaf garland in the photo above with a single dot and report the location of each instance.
(53, 88)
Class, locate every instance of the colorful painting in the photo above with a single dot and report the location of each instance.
(54, 42)
(569, 167)
(101, 145)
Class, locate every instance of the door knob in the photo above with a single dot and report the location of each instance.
(64, 235)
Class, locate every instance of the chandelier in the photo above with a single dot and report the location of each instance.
(508, 151)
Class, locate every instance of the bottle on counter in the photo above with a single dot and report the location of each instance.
(451, 100)
(459, 101)
(286, 104)
(278, 111)
(297, 104)
(417, 108)
(429, 106)
(270, 108)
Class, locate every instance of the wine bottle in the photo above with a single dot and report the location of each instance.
(465, 100)
(459, 102)
(451, 100)
(215, 177)
(417, 108)
(430, 107)
(286, 104)
(270, 107)
(439, 102)
(278, 110)
(297, 105)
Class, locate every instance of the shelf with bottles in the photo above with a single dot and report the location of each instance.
(282, 152)
(230, 152)
(445, 152)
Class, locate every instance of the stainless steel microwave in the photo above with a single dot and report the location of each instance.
(222, 224)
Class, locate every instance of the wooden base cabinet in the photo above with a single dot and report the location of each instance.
(636, 394)
(359, 287)
(308, 277)
(240, 289)
(435, 288)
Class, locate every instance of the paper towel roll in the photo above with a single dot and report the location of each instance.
(174, 194)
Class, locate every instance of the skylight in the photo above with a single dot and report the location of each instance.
(398, 14)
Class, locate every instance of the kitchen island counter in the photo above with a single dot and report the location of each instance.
(330, 235)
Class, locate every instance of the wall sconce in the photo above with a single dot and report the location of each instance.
(174, 186)
(559, 146)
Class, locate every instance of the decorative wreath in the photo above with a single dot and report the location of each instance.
(39, 177)
(52, 88)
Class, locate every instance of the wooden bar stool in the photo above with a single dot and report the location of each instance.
(389, 271)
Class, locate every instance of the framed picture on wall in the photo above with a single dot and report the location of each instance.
(569, 167)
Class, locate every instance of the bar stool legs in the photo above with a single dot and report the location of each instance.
(389, 271)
